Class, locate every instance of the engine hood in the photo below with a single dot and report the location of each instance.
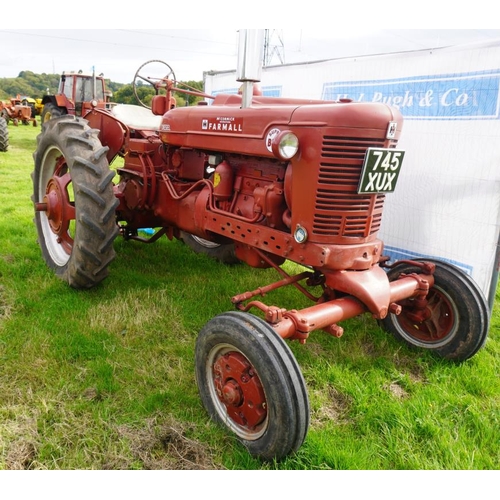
(229, 128)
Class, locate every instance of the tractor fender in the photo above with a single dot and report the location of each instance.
(61, 101)
(48, 99)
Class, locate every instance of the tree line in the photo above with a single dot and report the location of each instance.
(36, 86)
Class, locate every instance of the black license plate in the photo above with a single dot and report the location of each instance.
(380, 170)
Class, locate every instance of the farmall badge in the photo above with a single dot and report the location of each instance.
(391, 130)
(223, 124)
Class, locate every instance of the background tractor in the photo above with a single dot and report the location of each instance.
(15, 111)
(74, 96)
(263, 180)
(36, 105)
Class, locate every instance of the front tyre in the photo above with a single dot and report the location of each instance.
(250, 382)
(74, 201)
(457, 314)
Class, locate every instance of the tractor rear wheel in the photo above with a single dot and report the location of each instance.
(51, 111)
(457, 314)
(223, 252)
(5, 116)
(250, 382)
(74, 201)
(4, 135)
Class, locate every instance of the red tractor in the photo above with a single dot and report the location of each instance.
(262, 180)
(15, 110)
(77, 94)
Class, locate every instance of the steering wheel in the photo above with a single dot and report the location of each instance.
(155, 67)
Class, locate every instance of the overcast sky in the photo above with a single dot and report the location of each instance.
(118, 53)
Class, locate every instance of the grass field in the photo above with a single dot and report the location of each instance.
(104, 379)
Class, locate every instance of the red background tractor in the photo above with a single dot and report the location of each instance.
(14, 110)
(74, 96)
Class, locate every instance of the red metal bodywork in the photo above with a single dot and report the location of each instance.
(257, 200)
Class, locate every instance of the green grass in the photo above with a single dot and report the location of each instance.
(104, 379)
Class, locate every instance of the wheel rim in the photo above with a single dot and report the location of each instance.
(237, 392)
(437, 328)
(57, 210)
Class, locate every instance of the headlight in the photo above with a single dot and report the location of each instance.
(300, 234)
(285, 145)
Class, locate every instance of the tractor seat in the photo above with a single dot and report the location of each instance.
(136, 117)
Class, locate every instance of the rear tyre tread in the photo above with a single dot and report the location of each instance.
(91, 180)
(4, 135)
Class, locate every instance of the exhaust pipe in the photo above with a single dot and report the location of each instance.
(249, 69)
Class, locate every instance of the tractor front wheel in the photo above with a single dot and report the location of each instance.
(74, 201)
(455, 320)
(250, 382)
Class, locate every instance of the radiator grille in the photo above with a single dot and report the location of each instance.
(339, 210)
